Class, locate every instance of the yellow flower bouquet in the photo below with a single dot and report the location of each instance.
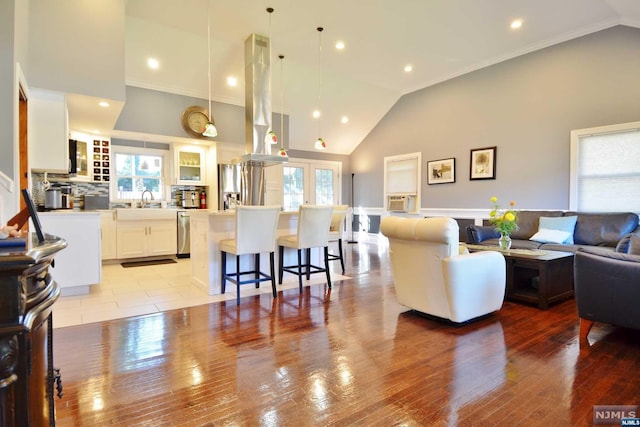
(505, 221)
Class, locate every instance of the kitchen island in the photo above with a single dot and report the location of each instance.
(208, 227)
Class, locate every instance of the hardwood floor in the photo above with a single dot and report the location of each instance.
(347, 356)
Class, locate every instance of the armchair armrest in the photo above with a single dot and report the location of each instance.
(477, 233)
(475, 284)
(607, 286)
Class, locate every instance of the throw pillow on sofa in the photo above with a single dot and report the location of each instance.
(550, 236)
(563, 223)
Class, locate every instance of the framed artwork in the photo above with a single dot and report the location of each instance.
(483, 163)
(441, 171)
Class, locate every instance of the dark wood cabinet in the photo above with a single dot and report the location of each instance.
(28, 380)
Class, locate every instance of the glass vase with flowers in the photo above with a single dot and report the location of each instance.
(504, 221)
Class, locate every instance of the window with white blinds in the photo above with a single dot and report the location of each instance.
(605, 173)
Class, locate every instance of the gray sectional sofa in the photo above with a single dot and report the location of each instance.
(605, 230)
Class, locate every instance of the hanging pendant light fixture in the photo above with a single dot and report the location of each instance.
(270, 137)
(210, 128)
(282, 152)
(319, 144)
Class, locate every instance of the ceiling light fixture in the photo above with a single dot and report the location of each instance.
(340, 45)
(270, 137)
(210, 128)
(103, 104)
(516, 24)
(153, 63)
(232, 81)
(319, 144)
(344, 120)
(282, 152)
(408, 68)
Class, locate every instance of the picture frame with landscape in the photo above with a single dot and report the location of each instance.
(483, 163)
(441, 171)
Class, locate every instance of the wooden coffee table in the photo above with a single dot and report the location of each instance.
(536, 277)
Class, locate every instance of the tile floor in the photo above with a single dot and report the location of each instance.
(127, 292)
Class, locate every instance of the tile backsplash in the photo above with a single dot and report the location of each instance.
(80, 188)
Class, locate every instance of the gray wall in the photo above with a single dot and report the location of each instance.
(159, 113)
(526, 107)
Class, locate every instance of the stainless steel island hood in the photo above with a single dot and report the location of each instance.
(257, 62)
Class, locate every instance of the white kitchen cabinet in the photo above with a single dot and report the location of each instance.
(190, 165)
(108, 229)
(143, 238)
(79, 265)
(48, 131)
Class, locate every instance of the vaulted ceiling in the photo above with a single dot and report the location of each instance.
(439, 39)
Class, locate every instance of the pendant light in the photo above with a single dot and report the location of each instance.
(210, 129)
(282, 152)
(270, 138)
(319, 144)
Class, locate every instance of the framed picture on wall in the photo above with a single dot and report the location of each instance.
(483, 163)
(441, 171)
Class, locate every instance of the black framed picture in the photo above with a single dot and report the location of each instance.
(441, 171)
(483, 163)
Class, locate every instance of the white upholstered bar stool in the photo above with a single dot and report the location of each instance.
(313, 232)
(255, 234)
(335, 232)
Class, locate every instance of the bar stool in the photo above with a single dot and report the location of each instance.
(313, 232)
(255, 234)
(335, 231)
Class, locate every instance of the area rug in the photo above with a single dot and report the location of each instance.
(148, 263)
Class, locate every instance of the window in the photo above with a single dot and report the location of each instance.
(137, 171)
(605, 169)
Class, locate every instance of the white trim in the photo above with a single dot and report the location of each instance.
(6, 182)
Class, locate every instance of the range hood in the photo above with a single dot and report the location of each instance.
(257, 63)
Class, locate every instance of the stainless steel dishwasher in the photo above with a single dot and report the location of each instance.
(184, 241)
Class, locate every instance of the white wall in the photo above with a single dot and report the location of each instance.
(78, 47)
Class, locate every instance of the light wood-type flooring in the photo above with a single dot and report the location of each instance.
(346, 356)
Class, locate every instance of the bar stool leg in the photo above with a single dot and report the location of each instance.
(280, 264)
(256, 269)
(341, 255)
(273, 275)
(307, 253)
(326, 265)
(300, 269)
(237, 279)
(223, 271)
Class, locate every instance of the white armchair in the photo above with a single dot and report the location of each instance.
(431, 276)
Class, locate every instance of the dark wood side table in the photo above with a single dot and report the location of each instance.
(27, 295)
(538, 277)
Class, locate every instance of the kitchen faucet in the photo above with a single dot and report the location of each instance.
(143, 202)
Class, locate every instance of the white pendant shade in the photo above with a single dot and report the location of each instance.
(210, 130)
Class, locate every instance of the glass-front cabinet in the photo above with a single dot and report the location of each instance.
(189, 165)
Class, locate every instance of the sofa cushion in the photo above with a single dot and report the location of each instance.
(547, 235)
(564, 223)
(528, 222)
(634, 244)
(603, 229)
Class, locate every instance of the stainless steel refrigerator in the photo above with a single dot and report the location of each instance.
(229, 182)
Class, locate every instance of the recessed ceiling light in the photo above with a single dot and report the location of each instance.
(104, 104)
(96, 131)
(339, 45)
(408, 68)
(516, 24)
(153, 63)
(316, 114)
(232, 81)
(344, 120)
